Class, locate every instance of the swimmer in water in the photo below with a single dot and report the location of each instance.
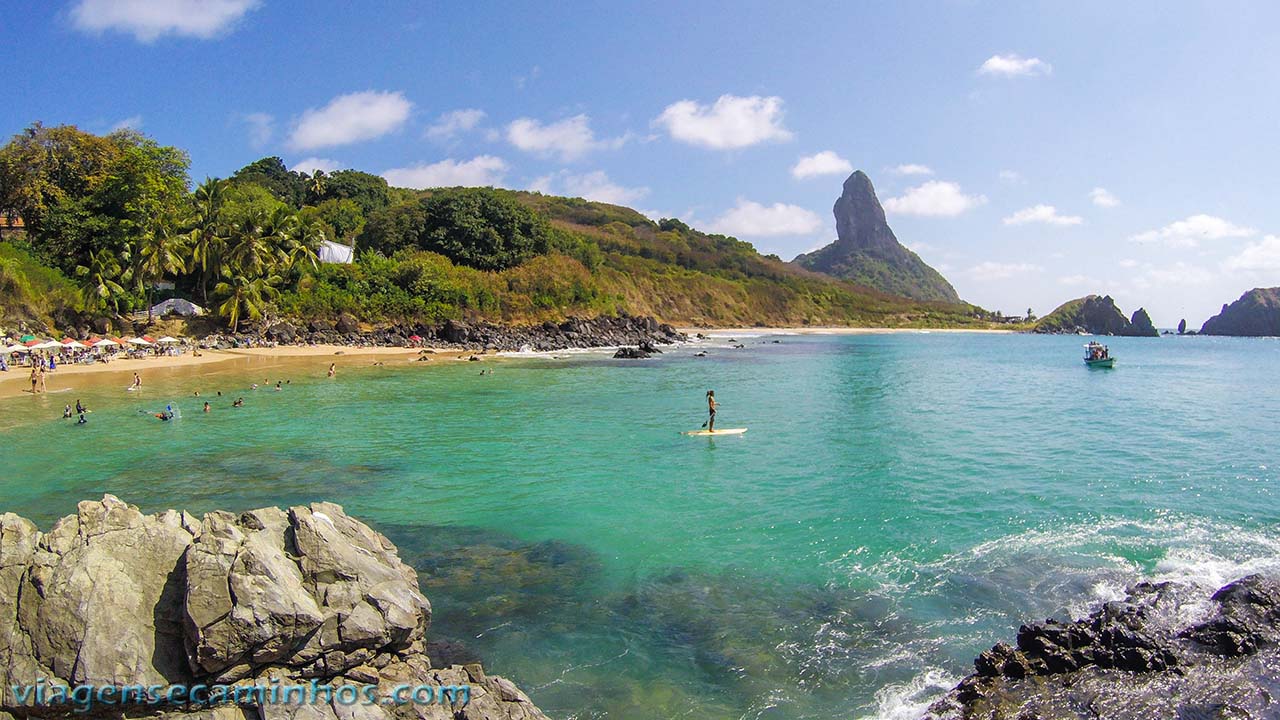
(206, 406)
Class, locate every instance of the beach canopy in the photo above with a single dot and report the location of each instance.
(14, 348)
(47, 345)
(76, 344)
(105, 342)
(415, 338)
(139, 341)
(167, 339)
(26, 338)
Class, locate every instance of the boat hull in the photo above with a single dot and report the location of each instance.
(1103, 363)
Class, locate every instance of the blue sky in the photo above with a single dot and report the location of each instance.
(1030, 151)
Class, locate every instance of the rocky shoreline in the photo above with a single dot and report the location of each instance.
(1136, 659)
(572, 333)
(112, 597)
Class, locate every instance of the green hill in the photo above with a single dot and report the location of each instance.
(124, 221)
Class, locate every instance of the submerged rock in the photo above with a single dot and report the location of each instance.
(110, 596)
(1126, 661)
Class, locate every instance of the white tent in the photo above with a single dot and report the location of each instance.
(47, 345)
(167, 339)
(14, 349)
(74, 345)
(106, 342)
(332, 252)
(176, 306)
(139, 341)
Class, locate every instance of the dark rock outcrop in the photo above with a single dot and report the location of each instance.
(1128, 661)
(1096, 315)
(110, 596)
(644, 332)
(1255, 314)
(866, 251)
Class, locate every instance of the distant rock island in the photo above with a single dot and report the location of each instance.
(1096, 316)
(866, 251)
(1255, 314)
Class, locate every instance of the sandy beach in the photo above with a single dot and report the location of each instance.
(295, 358)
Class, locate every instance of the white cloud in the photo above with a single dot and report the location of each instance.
(1000, 271)
(1011, 176)
(1046, 214)
(1075, 280)
(934, 198)
(1014, 65)
(1179, 274)
(1189, 232)
(1261, 256)
(454, 123)
(312, 164)
(481, 171)
(591, 186)
(731, 122)
(911, 169)
(133, 122)
(751, 219)
(1103, 198)
(148, 20)
(823, 163)
(569, 139)
(350, 118)
(261, 128)
(1129, 263)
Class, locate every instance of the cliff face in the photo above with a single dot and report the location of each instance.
(866, 250)
(1096, 315)
(1255, 314)
(1133, 660)
(110, 596)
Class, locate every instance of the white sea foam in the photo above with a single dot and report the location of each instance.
(910, 700)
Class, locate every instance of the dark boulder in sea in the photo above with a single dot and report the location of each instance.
(1255, 314)
(112, 597)
(866, 251)
(631, 353)
(1095, 315)
(1131, 660)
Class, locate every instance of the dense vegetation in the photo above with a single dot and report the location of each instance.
(110, 217)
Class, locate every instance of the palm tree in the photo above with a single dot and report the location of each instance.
(302, 247)
(99, 280)
(208, 232)
(246, 297)
(251, 250)
(161, 252)
(316, 186)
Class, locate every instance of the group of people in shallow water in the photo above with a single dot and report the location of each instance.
(169, 413)
(81, 410)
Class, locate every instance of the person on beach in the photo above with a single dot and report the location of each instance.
(333, 369)
(80, 408)
(66, 412)
(35, 379)
(43, 388)
(137, 381)
(711, 410)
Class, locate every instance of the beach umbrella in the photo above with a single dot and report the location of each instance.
(26, 338)
(415, 338)
(14, 348)
(167, 339)
(139, 341)
(74, 344)
(105, 342)
(47, 345)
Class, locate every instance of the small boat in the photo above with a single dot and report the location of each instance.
(1097, 355)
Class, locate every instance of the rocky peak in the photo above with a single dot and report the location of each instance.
(1255, 314)
(866, 251)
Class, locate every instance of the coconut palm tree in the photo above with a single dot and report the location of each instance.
(246, 297)
(161, 252)
(316, 186)
(208, 232)
(99, 280)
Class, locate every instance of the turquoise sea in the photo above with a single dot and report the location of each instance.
(900, 503)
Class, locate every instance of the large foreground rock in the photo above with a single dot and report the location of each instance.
(1131, 661)
(110, 596)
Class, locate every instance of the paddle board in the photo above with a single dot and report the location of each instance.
(726, 431)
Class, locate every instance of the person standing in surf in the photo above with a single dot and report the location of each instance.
(711, 410)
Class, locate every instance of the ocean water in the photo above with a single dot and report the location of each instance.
(900, 503)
